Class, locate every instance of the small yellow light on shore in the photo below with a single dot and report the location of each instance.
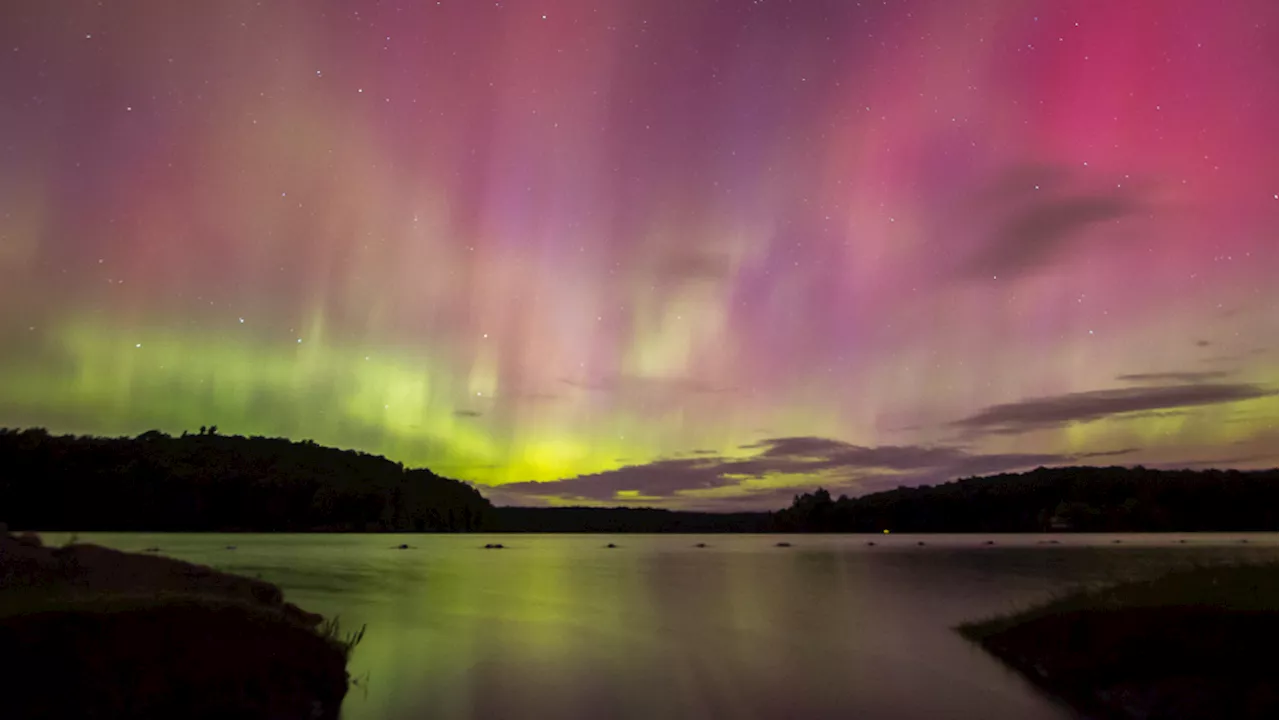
(886, 531)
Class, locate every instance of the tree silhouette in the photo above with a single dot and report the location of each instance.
(220, 482)
(1108, 499)
(211, 482)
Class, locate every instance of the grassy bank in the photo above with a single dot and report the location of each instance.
(1196, 643)
(92, 632)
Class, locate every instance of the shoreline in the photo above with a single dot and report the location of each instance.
(1189, 644)
(110, 634)
(793, 533)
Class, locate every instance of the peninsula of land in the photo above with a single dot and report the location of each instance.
(88, 631)
(1190, 645)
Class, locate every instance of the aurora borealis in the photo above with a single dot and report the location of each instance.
(679, 253)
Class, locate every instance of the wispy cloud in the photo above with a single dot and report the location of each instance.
(1059, 410)
(1173, 377)
(1107, 453)
(1034, 213)
(838, 464)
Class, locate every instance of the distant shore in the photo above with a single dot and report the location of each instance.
(1189, 645)
(209, 482)
(95, 632)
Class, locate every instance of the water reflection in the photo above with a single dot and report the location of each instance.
(559, 626)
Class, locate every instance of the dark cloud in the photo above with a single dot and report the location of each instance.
(500, 495)
(833, 463)
(661, 478)
(1203, 343)
(840, 466)
(1056, 411)
(815, 454)
(1173, 377)
(1030, 214)
(798, 446)
(1033, 236)
(1107, 453)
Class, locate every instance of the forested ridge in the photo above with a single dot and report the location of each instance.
(212, 482)
(1097, 499)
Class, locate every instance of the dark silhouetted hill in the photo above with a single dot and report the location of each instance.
(1088, 499)
(211, 482)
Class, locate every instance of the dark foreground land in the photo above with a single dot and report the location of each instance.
(91, 632)
(1193, 644)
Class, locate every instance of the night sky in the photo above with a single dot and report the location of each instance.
(679, 253)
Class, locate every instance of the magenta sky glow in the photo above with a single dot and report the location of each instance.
(680, 253)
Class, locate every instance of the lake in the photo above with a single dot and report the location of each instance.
(558, 626)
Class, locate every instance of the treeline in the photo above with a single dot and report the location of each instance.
(212, 482)
(1085, 499)
(624, 519)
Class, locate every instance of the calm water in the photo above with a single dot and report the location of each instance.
(557, 626)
